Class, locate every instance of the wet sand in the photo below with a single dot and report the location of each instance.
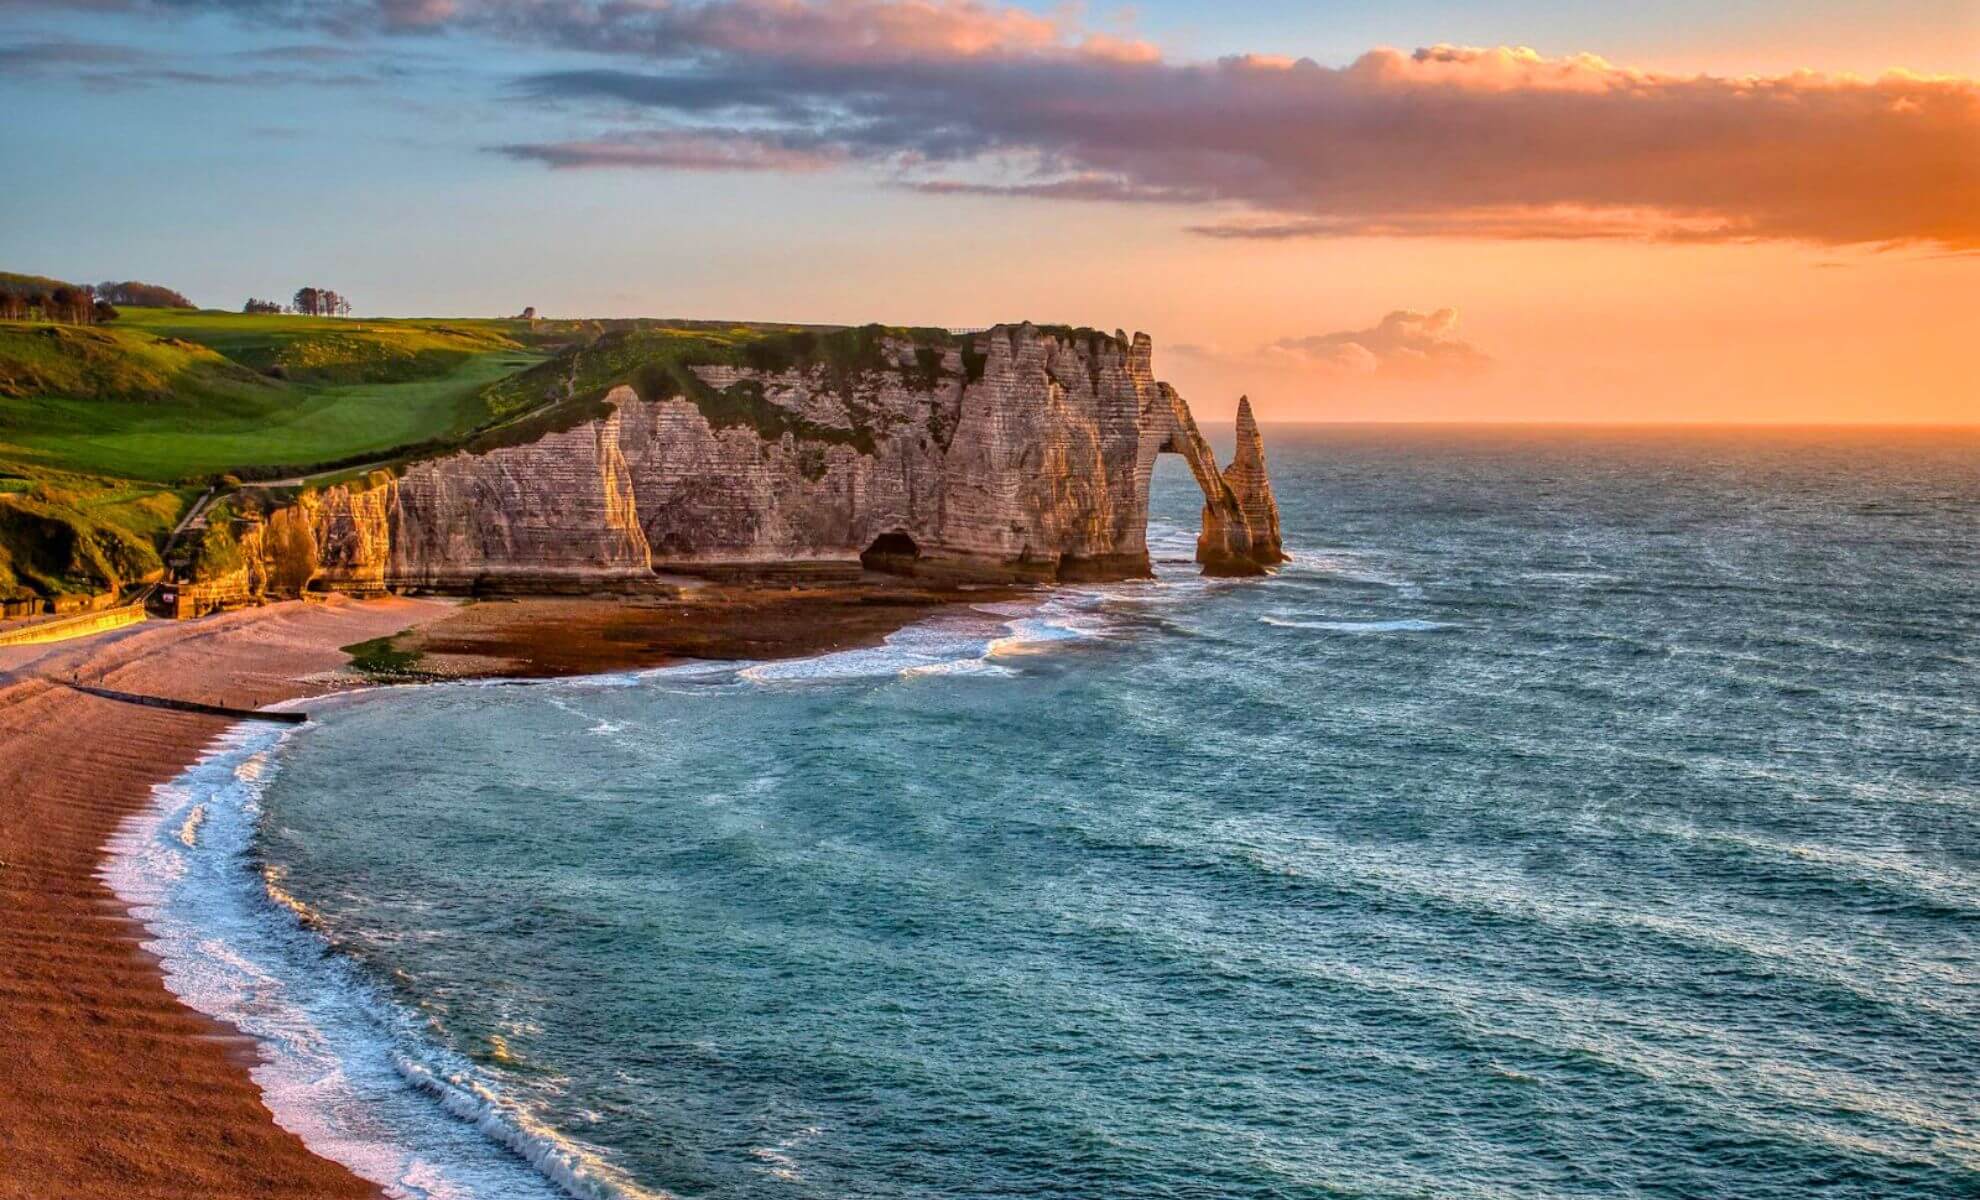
(544, 637)
(108, 1087)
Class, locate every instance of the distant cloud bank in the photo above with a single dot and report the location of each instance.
(960, 97)
(1403, 345)
(1411, 344)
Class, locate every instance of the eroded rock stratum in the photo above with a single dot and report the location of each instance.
(1019, 453)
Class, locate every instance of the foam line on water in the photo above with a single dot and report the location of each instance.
(342, 1066)
(1351, 566)
(952, 644)
(1406, 625)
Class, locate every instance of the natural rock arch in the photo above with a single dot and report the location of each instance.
(1240, 534)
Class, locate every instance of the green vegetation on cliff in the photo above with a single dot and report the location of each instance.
(108, 432)
(68, 534)
(658, 362)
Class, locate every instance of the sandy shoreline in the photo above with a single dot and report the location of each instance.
(111, 1087)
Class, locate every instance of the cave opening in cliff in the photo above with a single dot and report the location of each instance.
(893, 553)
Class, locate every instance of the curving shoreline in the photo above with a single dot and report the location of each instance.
(113, 1086)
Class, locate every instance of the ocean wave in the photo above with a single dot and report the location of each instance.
(344, 1067)
(1876, 872)
(572, 1167)
(920, 648)
(1747, 1082)
(1170, 542)
(1407, 625)
(1350, 566)
(949, 645)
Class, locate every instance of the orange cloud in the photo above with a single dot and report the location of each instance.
(1410, 344)
(1448, 141)
(1402, 345)
(876, 31)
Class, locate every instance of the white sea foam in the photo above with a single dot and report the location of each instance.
(951, 644)
(1352, 566)
(342, 1066)
(917, 649)
(1408, 625)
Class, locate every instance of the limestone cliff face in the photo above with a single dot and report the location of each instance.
(1029, 460)
(1246, 537)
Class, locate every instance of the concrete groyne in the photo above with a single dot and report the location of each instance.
(282, 717)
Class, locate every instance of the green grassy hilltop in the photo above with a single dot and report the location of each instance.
(109, 432)
(171, 394)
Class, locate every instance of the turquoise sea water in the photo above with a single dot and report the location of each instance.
(1580, 814)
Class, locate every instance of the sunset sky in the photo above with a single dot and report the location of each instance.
(1742, 210)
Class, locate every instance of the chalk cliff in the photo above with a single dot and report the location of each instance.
(1015, 453)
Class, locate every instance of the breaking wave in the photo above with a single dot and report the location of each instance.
(1408, 625)
(343, 1066)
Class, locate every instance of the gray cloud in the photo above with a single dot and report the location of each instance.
(684, 150)
(59, 53)
(308, 52)
(1085, 187)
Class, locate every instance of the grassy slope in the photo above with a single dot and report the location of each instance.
(173, 394)
(106, 432)
(72, 533)
(193, 436)
(331, 350)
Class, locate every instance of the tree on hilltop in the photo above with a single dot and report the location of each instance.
(70, 304)
(133, 294)
(321, 302)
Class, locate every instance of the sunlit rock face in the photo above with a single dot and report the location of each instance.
(1027, 457)
(1245, 540)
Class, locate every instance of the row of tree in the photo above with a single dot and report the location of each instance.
(321, 302)
(68, 304)
(132, 294)
(308, 301)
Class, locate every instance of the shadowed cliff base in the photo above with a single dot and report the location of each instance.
(541, 637)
